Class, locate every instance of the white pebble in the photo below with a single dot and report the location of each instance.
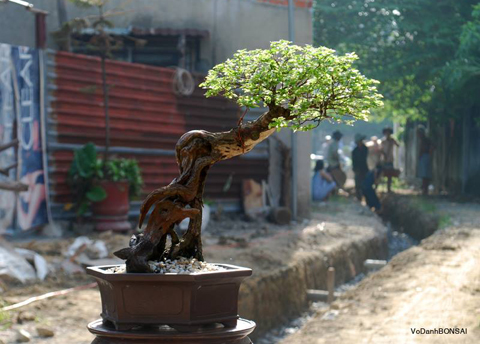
(179, 266)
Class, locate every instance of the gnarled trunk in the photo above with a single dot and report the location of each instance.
(196, 152)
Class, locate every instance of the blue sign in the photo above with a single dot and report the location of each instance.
(20, 109)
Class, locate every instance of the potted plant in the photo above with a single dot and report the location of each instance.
(104, 188)
(299, 87)
(109, 193)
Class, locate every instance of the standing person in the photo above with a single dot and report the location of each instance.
(325, 145)
(374, 152)
(387, 145)
(369, 185)
(333, 159)
(359, 164)
(424, 167)
(322, 183)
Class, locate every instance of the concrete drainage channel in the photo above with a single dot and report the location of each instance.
(401, 233)
(272, 300)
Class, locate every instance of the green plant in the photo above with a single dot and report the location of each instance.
(424, 205)
(209, 202)
(397, 184)
(312, 84)
(299, 86)
(125, 169)
(339, 199)
(445, 221)
(425, 53)
(6, 320)
(86, 170)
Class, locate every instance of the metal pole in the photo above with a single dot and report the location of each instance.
(291, 37)
(43, 128)
(291, 21)
(40, 30)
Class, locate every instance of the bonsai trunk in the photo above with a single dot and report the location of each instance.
(196, 152)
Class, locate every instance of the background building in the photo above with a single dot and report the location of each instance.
(192, 34)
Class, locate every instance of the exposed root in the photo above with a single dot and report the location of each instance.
(196, 152)
(144, 247)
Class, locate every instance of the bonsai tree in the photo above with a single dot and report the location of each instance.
(298, 86)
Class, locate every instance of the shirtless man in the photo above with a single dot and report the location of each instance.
(387, 145)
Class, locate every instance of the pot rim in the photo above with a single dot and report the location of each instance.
(232, 271)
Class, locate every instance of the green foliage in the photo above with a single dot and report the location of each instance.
(84, 162)
(96, 194)
(338, 199)
(125, 169)
(83, 170)
(445, 221)
(86, 170)
(464, 72)
(313, 83)
(424, 205)
(427, 206)
(6, 319)
(423, 52)
(208, 202)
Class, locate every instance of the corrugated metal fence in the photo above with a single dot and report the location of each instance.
(146, 119)
(456, 155)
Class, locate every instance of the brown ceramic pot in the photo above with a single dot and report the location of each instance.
(181, 301)
(112, 212)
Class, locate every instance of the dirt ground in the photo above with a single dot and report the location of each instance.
(435, 285)
(259, 245)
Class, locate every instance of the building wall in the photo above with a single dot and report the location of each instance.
(233, 25)
(17, 25)
(146, 121)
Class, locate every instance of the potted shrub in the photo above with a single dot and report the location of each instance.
(299, 87)
(109, 192)
(105, 188)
